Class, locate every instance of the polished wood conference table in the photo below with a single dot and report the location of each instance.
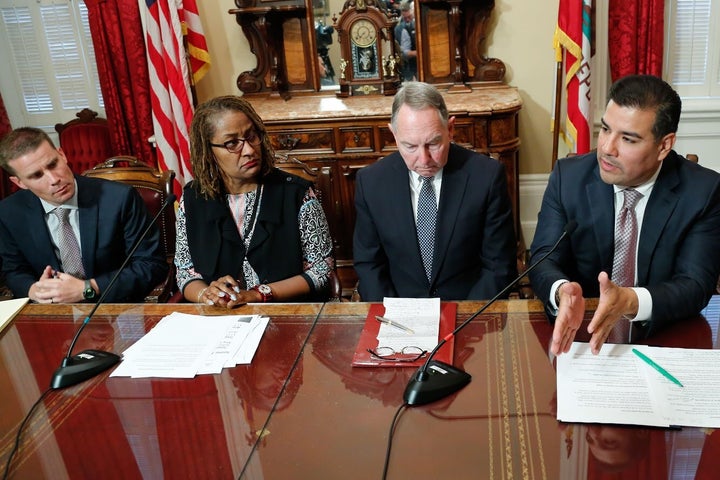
(300, 410)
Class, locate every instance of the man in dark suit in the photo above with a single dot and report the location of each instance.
(106, 217)
(675, 253)
(472, 244)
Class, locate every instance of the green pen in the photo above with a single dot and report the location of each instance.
(657, 367)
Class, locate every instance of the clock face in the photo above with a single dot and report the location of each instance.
(363, 33)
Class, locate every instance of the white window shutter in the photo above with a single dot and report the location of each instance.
(50, 54)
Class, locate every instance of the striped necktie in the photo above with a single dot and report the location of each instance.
(426, 216)
(68, 245)
(626, 236)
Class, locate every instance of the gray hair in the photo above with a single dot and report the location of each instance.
(418, 96)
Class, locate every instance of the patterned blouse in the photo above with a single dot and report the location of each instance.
(317, 247)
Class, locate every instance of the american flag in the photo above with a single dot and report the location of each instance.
(171, 97)
(572, 37)
(196, 45)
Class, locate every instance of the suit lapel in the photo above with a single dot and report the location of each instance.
(658, 210)
(400, 212)
(454, 184)
(600, 197)
(88, 196)
(39, 234)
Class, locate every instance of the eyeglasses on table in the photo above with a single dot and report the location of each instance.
(389, 354)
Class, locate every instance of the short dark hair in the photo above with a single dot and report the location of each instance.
(648, 92)
(19, 142)
(417, 96)
(207, 176)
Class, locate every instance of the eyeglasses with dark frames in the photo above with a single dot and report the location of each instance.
(236, 145)
(389, 354)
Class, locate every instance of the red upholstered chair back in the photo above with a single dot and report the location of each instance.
(85, 140)
(154, 187)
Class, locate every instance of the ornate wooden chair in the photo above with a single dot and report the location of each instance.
(85, 140)
(5, 293)
(296, 167)
(154, 187)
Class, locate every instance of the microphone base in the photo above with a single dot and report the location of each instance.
(442, 380)
(82, 366)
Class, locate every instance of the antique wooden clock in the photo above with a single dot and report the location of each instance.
(368, 63)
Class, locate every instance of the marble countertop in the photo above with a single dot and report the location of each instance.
(324, 106)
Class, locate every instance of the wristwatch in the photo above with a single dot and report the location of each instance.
(557, 293)
(265, 291)
(89, 293)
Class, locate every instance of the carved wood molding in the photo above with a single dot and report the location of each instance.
(264, 29)
(468, 22)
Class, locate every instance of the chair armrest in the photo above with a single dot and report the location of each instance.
(177, 297)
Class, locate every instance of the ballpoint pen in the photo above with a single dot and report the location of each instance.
(657, 367)
(393, 323)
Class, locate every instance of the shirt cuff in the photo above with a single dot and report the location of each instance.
(553, 290)
(644, 305)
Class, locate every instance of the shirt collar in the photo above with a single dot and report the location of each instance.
(417, 179)
(644, 188)
(72, 203)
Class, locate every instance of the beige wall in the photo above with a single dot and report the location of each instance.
(520, 35)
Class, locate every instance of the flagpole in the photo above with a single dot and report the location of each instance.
(191, 77)
(558, 100)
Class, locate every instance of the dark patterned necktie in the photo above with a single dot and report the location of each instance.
(626, 235)
(426, 216)
(68, 245)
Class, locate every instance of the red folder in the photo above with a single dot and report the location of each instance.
(368, 339)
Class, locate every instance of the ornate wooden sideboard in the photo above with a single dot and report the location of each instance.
(336, 137)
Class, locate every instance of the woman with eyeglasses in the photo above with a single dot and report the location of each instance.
(247, 232)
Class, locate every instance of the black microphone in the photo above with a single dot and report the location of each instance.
(435, 379)
(88, 363)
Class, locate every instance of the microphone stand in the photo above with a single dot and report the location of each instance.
(88, 363)
(435, 379)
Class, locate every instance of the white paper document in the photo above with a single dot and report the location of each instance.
(422, 315)
(10, 308)
(183, 345)
(617, 386)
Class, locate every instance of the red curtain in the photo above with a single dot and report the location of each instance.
(635, 37)
(5, 128)
(119, 44)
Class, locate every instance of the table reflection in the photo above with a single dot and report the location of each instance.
(618, 452)
(316, 406)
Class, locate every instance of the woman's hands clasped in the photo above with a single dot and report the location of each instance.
(225, 292)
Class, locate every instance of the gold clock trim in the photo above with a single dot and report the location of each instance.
(363, 33)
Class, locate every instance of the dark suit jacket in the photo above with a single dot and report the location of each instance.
(474, 243)
(112, 218)
(679, 246)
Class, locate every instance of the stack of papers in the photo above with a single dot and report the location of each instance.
(421, 315)
(183, 345)
(8, 310)
(618, 386)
